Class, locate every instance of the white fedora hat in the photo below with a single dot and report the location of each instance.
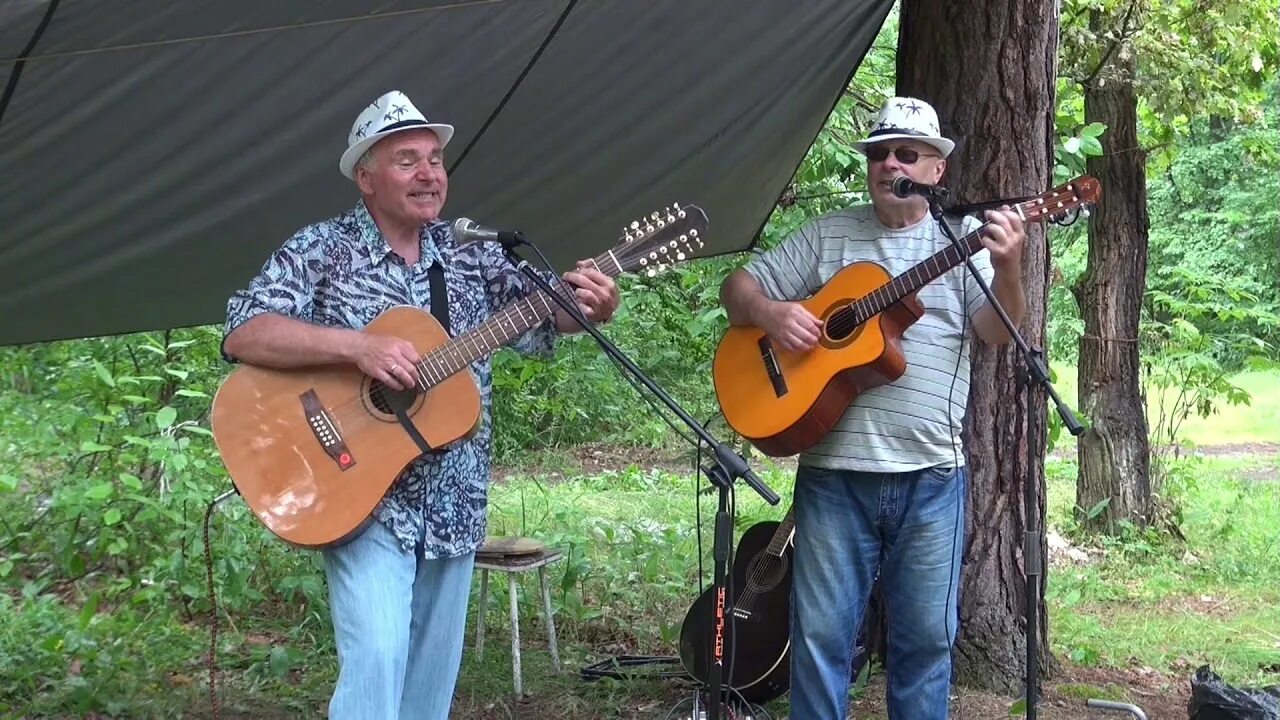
(389, 114)
(904, 118)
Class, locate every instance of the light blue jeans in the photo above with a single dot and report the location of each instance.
(910, 528)
(398, 622)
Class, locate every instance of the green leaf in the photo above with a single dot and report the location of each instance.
(89, 446)
(1093, 130)
(1072, 145)
(1097, 509)
(1090, 146)
(88, 611)
(8, 483)
(101, 491)
(1018, 708)
(111, 517)
(279, 661)
(180, 374)
(191, 393)
(130, 481)
(104, 374)
(165, 417)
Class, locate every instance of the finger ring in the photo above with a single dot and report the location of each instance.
(393, 367)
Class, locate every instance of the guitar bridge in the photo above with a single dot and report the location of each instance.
(326, 432)
(771, 366)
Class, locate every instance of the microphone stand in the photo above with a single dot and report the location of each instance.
(1037, 374)
(728, 466)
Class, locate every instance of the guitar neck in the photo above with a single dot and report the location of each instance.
(781, 536)
(917, 277)
(503, 327)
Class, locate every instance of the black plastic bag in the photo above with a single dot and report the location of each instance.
(1212, 699)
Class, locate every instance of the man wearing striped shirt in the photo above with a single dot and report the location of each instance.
(883, 492)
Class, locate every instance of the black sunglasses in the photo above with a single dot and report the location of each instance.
(905, 155)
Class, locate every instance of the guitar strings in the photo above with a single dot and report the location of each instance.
(451, 350)
(494, 325)
(845, 321)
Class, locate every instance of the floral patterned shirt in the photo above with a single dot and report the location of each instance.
(342, 273)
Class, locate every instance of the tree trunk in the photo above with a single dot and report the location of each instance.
(1114, 479)
(989, 68)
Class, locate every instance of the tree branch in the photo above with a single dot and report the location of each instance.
(1124, 35)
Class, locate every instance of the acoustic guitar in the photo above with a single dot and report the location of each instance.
(313, 450)
(784, 402)
(757, 639)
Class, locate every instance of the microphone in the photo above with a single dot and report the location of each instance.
(466, 230)
(905, 187)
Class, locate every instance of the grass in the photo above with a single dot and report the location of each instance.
(630, 573)
(1257, 422)
(1155, 602)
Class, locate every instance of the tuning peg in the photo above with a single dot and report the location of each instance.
(1084, 211)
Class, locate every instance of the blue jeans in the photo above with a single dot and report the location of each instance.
(909, 527)
(398, 621)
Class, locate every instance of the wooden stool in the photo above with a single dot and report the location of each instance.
(512, 556)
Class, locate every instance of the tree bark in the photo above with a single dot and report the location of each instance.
(1113, 452)
(989, 67)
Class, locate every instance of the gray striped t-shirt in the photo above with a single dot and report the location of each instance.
(904, 425)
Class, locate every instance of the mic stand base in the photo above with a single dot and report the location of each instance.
(1038, 375)
(728, 464)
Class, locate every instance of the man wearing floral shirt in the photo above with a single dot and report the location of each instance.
(398, 592)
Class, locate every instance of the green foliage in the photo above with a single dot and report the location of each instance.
(669, 325)
(112, 465)
(1151, 599)
(1193, 59)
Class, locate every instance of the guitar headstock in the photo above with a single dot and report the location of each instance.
(652, 244)
(1076, 194)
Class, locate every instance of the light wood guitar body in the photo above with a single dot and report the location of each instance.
(784, 402)
(284, 472)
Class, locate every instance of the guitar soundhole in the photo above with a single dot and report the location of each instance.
(388, 401)
(841, 323)
(765, 572)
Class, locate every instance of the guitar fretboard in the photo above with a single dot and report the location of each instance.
(504, 326)
(781, 536)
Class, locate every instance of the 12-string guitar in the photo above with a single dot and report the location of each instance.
(312, 450)
(784, 402)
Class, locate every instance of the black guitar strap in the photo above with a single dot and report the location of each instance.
(439, 295)
(440, 309)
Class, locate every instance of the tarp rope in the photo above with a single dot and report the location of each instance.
(512, 90)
